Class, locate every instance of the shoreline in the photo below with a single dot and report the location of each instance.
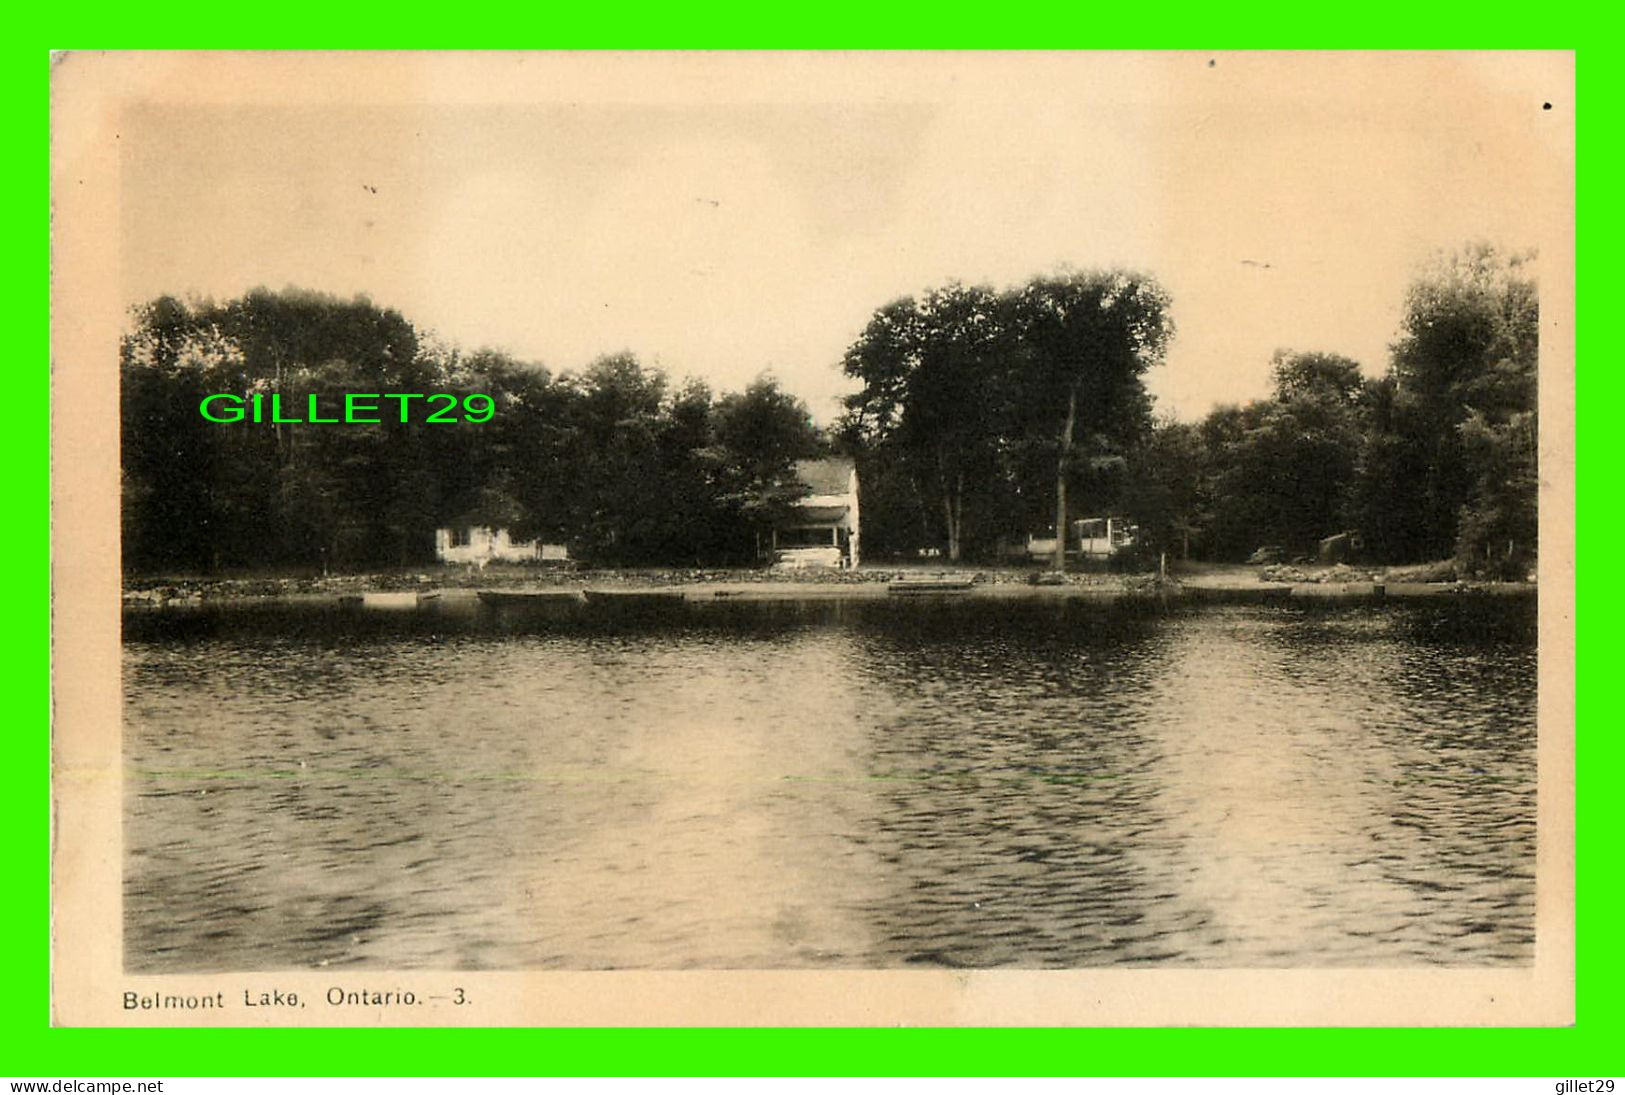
(1207, 583)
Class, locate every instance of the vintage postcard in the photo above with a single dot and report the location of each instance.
(813, 539)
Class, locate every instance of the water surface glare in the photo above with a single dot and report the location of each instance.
(970, 783)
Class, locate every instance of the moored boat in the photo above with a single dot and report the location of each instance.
(634, 596)
(396, 599)
(930, 585)
(528, 597)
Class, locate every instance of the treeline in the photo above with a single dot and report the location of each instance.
(983, 416)
(615, 460)
(987, 415)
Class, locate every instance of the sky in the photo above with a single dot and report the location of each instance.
(722, 215)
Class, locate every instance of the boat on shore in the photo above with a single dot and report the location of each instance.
(635, 598)
(391, 599)
(930, 585)
(528, 597)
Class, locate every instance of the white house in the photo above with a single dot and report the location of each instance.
(823, 529)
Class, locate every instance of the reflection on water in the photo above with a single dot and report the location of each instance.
(864, 784)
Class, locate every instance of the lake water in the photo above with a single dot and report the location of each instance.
(972, 783)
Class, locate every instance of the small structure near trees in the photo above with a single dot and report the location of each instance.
(480, 544)
(1344, 547)
(1092, 538)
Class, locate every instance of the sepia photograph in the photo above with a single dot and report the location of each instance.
(813, 538)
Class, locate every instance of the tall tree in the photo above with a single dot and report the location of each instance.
(758, 435)
(1164, 492)
(935, 395)
(1086, 340)
(211, 494)
(506, 472)
(1466, 362)
(195, 497)
(617, 409)
(1280, 470)
(765, 428)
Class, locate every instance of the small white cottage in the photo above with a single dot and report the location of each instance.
(478, 545)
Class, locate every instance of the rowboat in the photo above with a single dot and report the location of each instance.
(395, 599)
(512, 598)
(930, 585)
(635, 598)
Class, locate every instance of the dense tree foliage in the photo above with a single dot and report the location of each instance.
(1466, 388)
(979, 408)
(758, 435)
(1165, 488)
(934, 409)
(1279, 469)
(1434, 459)
(983, 416)
(1085, 342)
(613, 461)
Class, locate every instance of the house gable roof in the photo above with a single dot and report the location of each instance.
(831, 475)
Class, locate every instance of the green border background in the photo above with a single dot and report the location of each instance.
(35, 1049)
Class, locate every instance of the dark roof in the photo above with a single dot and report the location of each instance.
(832, 475)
